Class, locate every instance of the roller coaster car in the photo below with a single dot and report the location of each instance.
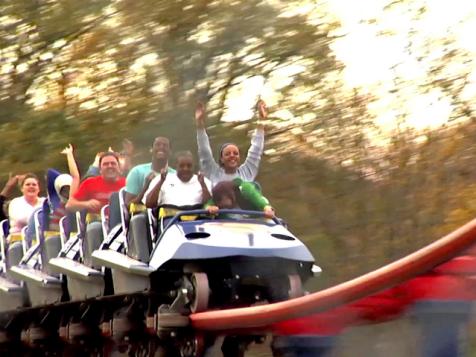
(42, 284)
(200, 262)
(12, 292)
(77, 286)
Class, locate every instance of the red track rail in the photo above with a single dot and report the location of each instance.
(390, 275)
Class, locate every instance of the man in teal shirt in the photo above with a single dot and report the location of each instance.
(137, 183)
(140, 176)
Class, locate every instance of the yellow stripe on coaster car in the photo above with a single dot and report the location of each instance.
(50, 234)
(137, 208)
(93, 217)
(15, 237)
(170, 212)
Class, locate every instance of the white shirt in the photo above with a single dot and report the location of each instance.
(19, 212)
(176, 192)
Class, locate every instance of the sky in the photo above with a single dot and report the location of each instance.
(372, 60)
(376, 45)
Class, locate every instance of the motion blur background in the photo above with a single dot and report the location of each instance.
(370, 144)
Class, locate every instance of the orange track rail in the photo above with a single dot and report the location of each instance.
(390, 275)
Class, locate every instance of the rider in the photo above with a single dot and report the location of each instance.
(139, 177)
(183, 188)
(21, 208)
(137, 183)
(238, 194)
(92, 195)
(229, 166)
(125, 159)
(6, 192)
(94, 192)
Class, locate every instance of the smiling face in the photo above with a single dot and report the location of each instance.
(160, 149)
(184, 167)
(109, 167)
(230, 158)
(30, 187)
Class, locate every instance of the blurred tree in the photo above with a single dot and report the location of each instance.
(95, 71)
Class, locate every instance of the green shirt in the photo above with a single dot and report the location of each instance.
(250, 196)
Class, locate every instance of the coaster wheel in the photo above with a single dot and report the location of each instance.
(201, 293)
(295, 286)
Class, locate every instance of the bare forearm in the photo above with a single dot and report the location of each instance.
(205, 194)
(6, 191)
(72, 166)
(127, 165)
(74, 186)
(153, 196)
(74, 205)
(140, 195)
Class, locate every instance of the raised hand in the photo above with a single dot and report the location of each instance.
(262, 109)
(96, 160)
(127, 147)
(200, 113)
(10, 185)
(201, 178)
(19, 178)
(13, 181)
(68, 150)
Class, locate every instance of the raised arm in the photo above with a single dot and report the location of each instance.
(126, 155)
(73, 169)
(10, 185)
(249, 169)
(91, 205)
(263, 114)
(93, 169)
(207, 163)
